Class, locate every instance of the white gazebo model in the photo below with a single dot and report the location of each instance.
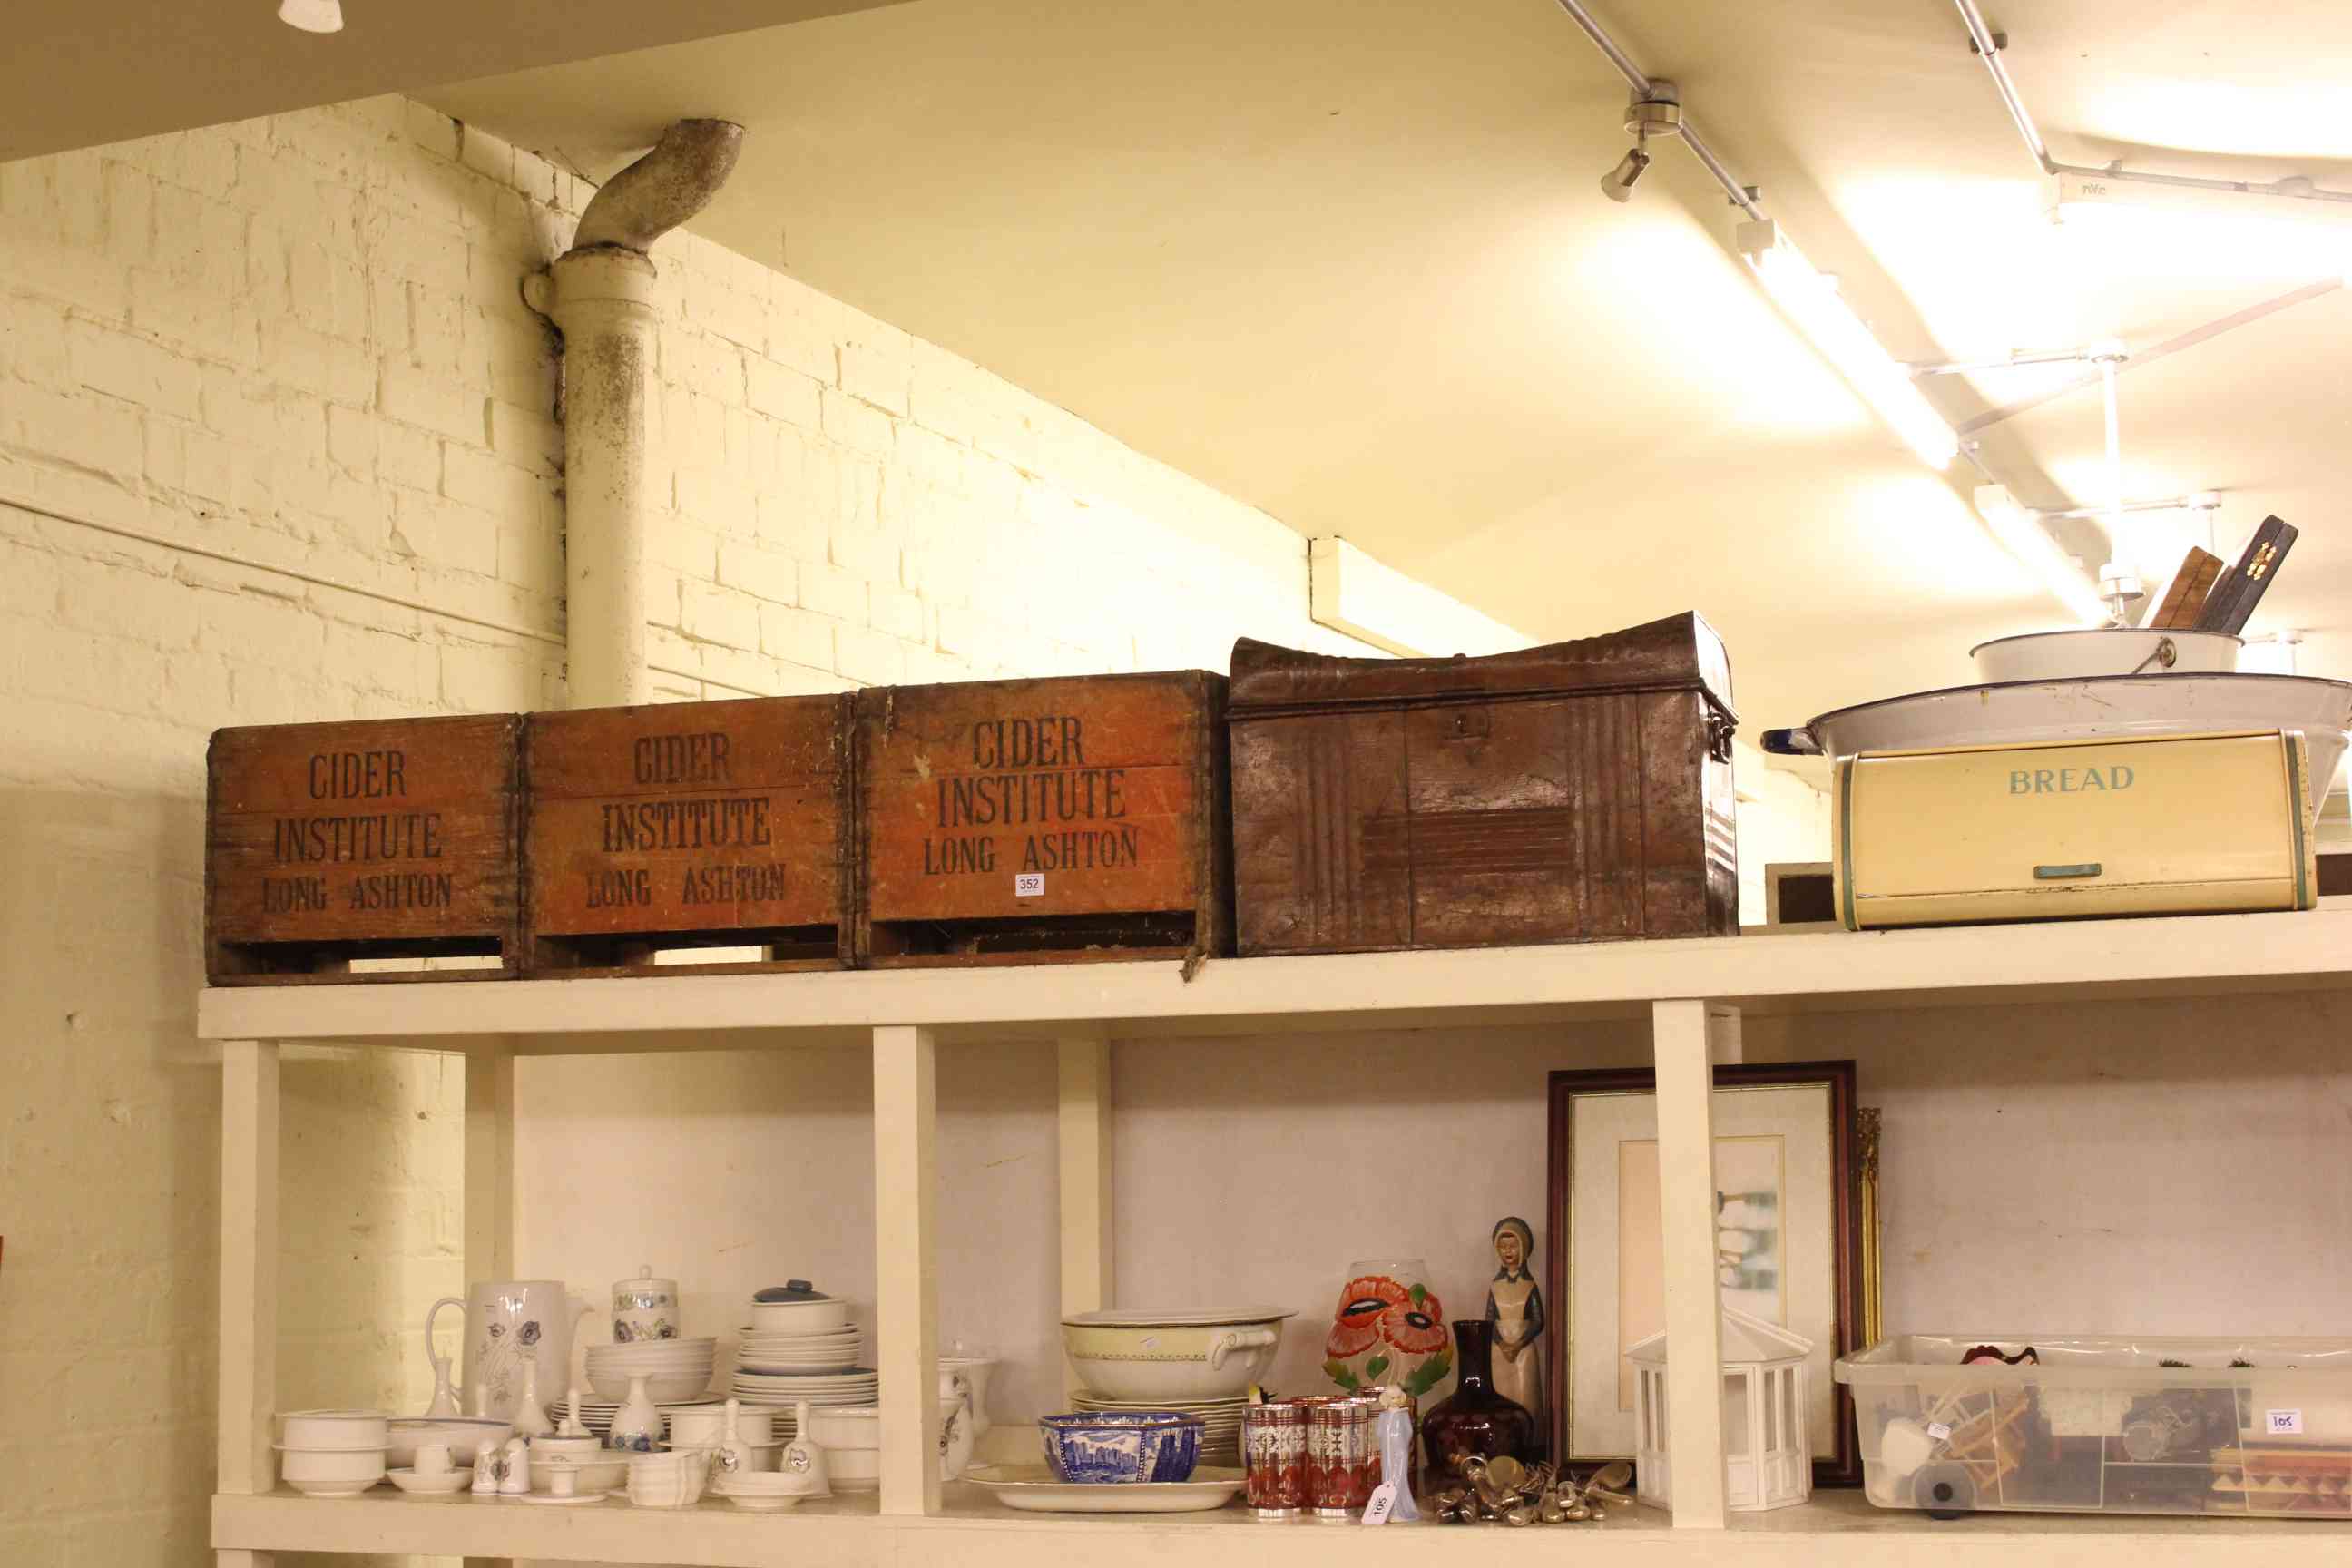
(1767, 1457)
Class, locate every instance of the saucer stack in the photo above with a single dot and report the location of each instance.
(1221, 1435)
(825, 1391)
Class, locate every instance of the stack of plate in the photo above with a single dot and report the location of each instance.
(781, 1391)
(675, 1371)
(1220, 1437)
(825, 1351)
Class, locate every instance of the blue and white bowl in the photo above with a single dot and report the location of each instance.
(1121, 1447)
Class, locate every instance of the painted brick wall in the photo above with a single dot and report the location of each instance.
(276, 444)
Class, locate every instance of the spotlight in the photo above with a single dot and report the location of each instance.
(1657, 112)
(1617, 184)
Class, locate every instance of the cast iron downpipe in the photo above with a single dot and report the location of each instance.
(600, 295)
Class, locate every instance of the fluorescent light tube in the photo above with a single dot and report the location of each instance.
(1812, 302)
(2022, 533)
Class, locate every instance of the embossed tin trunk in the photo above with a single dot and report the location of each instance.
(327, 844)
(2171, 824)
(1042, 820)
(690, 826)
(1580, 791)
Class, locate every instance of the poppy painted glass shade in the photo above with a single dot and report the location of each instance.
(1388, 1329)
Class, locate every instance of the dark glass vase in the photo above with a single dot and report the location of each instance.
(1474, 1419)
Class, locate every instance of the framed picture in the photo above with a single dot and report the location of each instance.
(1789, 1204)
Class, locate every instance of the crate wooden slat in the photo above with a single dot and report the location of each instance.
(376, 838)
(685, 826)
(1059, 820)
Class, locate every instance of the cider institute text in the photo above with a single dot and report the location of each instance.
(1033, 775)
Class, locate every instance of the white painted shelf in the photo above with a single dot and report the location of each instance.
(1695, 993)
(1758, 972)
(1836, 1530)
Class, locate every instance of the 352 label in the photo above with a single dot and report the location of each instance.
(1029, 884)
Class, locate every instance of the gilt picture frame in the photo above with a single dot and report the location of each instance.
(1791, 1228)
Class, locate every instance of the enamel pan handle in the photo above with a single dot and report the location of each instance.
(1798, 743)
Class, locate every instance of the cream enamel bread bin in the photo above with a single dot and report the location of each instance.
(1155, 1355)
(2168, 824)
(2092, 708)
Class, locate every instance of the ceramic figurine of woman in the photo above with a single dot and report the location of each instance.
(1515, 1306)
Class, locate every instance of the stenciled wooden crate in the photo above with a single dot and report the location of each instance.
(1578, 791)
(690, 826)
(1057, 820)
(326, 844)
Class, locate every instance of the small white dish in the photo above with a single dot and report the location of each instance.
(552, 1500)
(418, 1484)
(1034, 1489)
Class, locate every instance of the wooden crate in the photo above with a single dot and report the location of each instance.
(688, 825)
(381, 839)
(1576, 792)
(1043, 821)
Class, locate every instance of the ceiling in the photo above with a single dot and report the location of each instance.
(80, 72)
(1351, 263)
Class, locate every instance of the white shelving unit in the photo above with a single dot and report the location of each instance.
(1695, 994)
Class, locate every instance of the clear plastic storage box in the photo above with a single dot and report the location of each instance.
(2109, 1425)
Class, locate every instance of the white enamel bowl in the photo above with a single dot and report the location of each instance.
(2105, 650)
(2134, 706)
(760, 1493)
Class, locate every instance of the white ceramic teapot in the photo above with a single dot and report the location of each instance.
(508, 1324)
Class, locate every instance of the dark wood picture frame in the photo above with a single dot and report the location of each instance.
(1843, 1470)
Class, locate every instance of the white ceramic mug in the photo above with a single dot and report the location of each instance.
(432, 1459)
(563, 1480)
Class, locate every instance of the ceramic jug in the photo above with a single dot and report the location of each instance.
(510, 1323)
(956, 1432)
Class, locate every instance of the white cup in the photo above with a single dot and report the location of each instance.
(563, 1480)
(432, 1459)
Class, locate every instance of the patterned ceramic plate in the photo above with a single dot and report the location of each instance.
(1033, 1488)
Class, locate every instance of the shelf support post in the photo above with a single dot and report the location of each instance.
(490, 1180)
(1085, 1139)
(490, 1162)
(905, 1275)
(1683, 1036)
(249, 1276)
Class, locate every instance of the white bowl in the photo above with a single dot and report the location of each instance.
(799, 1317)
(554, 1446)
(851, 1426)
(854, 1469)
(332, 1472)
(454, 1479)
(667, 1390)
(322, 1429)
(1172, 1355)
(2105, 650)
(461, 1434)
